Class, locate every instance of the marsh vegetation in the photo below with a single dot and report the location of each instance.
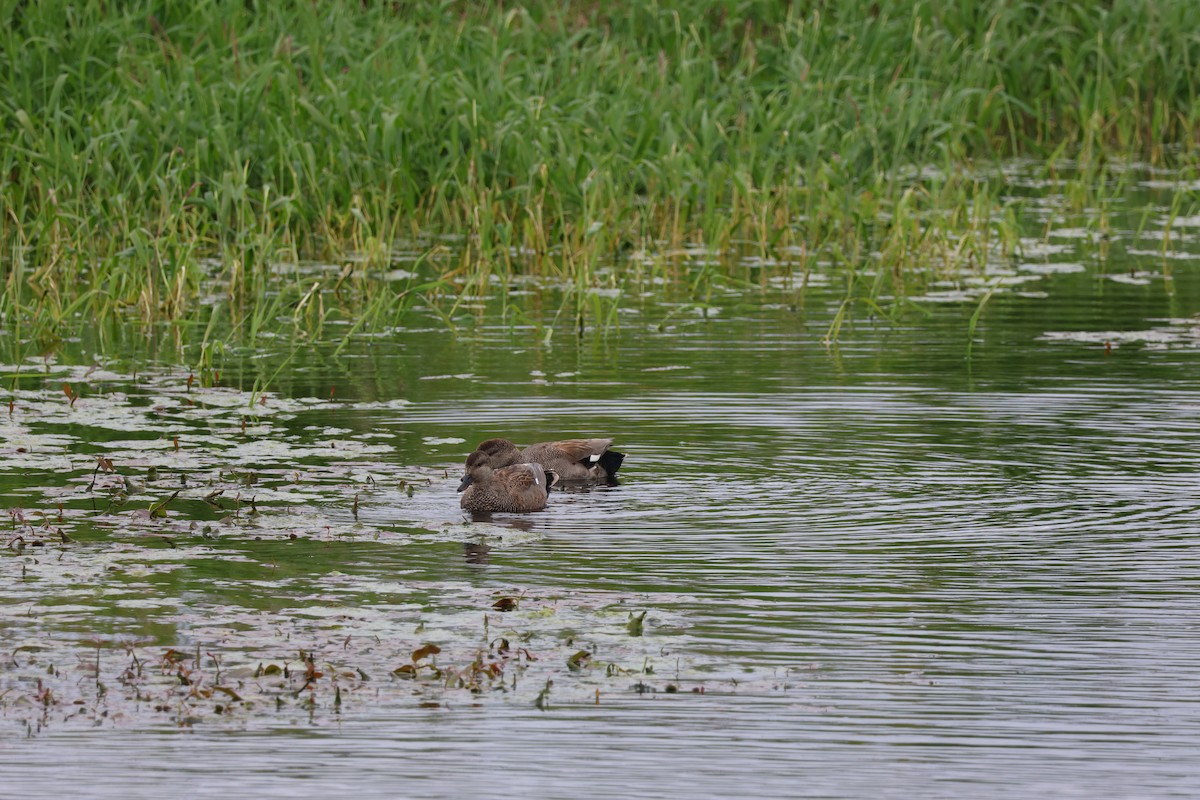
(239, 167)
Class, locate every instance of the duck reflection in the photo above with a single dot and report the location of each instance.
(477, 553)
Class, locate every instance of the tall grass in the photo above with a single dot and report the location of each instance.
(157, 155)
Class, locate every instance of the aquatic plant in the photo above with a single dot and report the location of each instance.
(250, 166)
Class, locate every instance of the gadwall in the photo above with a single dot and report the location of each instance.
(570, 459)
(517, 488)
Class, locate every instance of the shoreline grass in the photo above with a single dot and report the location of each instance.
(154, 155)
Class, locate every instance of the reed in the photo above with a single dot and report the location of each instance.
(159, 160)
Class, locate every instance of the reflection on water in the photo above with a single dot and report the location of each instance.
(476, 552)
(879, 569)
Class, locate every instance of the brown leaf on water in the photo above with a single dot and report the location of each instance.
(405, 671)
(173, 656)
(505, 604)
(70, 393)
(425, 651)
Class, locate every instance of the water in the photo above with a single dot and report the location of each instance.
(875, 569)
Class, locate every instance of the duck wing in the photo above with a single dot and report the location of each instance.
(585, 450)
(521, 477)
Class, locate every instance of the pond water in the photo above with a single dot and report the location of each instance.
(877, 568)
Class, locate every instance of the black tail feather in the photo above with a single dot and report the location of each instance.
(611, 461)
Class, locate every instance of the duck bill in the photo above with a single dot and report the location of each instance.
(466, 481)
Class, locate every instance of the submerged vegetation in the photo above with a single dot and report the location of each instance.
(193, 162)
(257, 677)
(128, 498)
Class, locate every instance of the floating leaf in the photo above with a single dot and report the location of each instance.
(159, 509)
(579, 660)
(425, 651)
(505, 604)
(405, 671)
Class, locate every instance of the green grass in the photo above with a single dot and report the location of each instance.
(156, 155)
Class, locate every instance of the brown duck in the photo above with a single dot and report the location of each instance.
(570, 459)
(517, 488)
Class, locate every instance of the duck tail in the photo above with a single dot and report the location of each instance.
(611, 461)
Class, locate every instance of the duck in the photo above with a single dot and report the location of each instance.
(517, 488)
(569, 459)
